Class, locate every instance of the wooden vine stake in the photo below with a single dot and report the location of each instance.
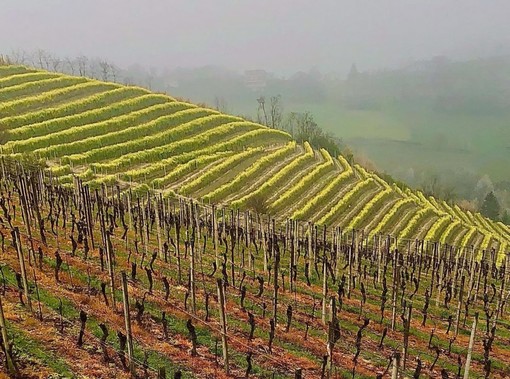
(158, 229)
(111, 269)
(275, 296)
(127, 319)
(459, 306)
(396, 281)
(333, 335)
(11, 367)
(24, 212)
(407, 324)
(470, 347)
(215, 234)
(324, 288)
(22, 267)
(223, 321)
(192, 274)
(396, 366)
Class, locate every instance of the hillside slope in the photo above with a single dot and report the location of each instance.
(113, 134)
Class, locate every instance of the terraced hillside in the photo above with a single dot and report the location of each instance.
(105, 133)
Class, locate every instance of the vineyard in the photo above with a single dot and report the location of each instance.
(105, 133)
(288, 262)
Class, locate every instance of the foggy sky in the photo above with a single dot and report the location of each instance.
(282, 36)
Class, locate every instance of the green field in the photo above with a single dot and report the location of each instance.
(397, 140)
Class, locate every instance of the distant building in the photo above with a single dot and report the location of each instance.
(256, 80)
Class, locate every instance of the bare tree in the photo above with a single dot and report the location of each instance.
(114, 69)
(19, 56)
(220, 104)
(105, 68)
(82, 65)
(276, 111)
(262, 111)
(70, 64)
(40, 59)
(55, 63)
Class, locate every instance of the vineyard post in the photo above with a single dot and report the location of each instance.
(164, 224)
(276, 254)
(507, 290)
(11, 367)
(233, 247)
(407, 326)
(459, 306)
(309, 251)
(439, 270)
(287, 228)
(379, 257)
(82, 201)
(177, 243)
(4, 176)
(254, 238)
(192, 272)
(264, 247)
(324, 287)
(38, 295)
(101, 217)
(396, 282)
(144, 231)
(421, 262)
(41, 184)
(223, 321)
(387, 250)
(215, 234)
(471, 274)
(432, 277)
(478, 280)
(111, 270)
(237, 224)
(24, 212)
(127, 319)
(315, 244)
(396, 366)
(350, 271)
(464, 263)
(88, 212)
(196, 213)
(331, 334)
(22, 267)
(165, 212)
(297, 251)
(500, 303)
(130, 214)
(456, 267)
(223, 223)
(35, 204)
(470, 347)
(246, 233)
(355, 248)
(291, 259)
(336, 249)
(158, 229)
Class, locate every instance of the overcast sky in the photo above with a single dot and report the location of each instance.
(282, 36)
